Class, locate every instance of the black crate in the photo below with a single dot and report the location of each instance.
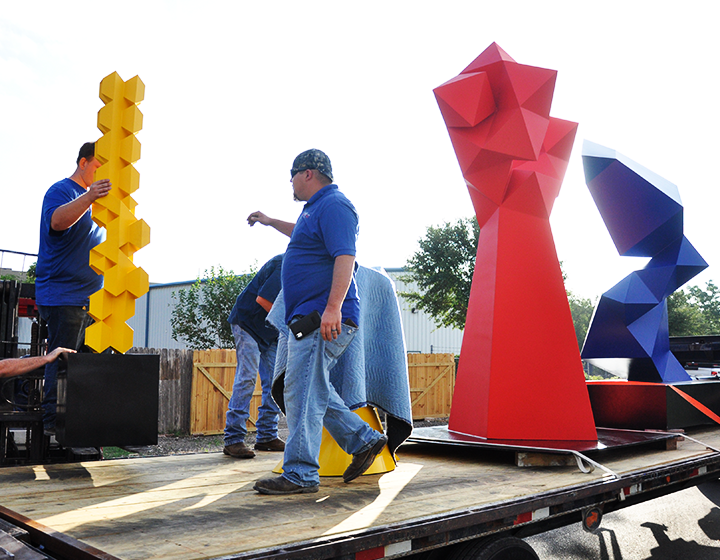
(107, 400)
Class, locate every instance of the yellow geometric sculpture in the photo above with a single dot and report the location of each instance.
(111, 306)
(333, 460)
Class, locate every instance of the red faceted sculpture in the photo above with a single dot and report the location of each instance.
(520, 376)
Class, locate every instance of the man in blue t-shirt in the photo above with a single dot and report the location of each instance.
(322, 312)
(255, 348)
(64, 279)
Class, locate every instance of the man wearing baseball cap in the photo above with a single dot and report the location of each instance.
(318, 280)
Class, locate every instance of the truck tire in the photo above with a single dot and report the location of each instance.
(503, 548)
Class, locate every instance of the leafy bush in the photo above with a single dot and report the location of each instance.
(199, 317)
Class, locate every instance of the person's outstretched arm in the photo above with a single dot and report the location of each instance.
(18, 366)
(283, 227)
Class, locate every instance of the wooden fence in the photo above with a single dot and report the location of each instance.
(213, 376)
(432, 380)
(175, 383)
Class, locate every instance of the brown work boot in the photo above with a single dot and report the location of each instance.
(281, 485)
(239, 451)
(273, 445)
(362, 461)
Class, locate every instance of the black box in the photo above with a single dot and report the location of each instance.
(107, 400)
(636, 405)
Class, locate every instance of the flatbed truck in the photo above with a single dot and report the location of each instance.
(449, 502)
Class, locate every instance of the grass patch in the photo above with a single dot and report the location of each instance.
(116, 453)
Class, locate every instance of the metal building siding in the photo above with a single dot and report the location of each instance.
(421, 332)
(153, 311)
(24, 332)
(137, 321)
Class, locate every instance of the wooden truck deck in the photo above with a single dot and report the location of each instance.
(203, 506)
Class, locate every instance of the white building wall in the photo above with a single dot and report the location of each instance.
(151, 323)
(24, 332)
(421, 333)
(153, 311)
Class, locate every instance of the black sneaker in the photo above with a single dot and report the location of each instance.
(362, 461)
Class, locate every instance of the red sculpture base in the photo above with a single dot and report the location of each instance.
(518, 298)
(637, 405)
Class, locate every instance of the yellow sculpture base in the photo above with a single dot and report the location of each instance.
(333, 460)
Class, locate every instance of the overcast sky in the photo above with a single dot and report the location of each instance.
(235, 90)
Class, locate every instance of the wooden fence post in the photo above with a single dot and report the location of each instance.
(175, 385)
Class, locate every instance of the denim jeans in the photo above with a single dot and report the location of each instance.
(66, 328)
(311, 401)
(250, 362)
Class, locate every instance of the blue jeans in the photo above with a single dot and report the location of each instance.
(66, 328)
(311, 401)
(250, 362)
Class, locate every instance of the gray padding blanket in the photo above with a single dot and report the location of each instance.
(373, 370)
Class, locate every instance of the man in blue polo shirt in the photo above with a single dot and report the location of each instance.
(64, 279)
(255, 347)
(318, 279)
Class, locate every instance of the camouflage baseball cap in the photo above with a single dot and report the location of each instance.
(312, 159)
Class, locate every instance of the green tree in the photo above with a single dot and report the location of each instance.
(684, 317)
(27, 278)
(694, 311)
(443, 269)
(30, 275)
(581, 310)
(199, 316)
(708, 300)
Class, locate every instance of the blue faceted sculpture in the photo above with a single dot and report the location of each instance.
(628, 334)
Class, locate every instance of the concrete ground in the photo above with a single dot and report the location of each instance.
(681, 526)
